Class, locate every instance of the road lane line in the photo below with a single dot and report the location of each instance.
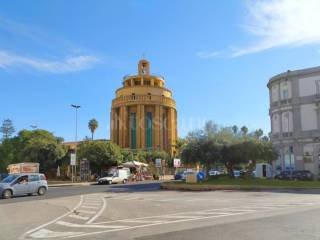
(147, 225)
(141, 221)
(54, 220)
(174, 214)
(100, 212)
(67, 224)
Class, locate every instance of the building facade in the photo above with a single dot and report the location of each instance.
(295, 119)
(143, 113)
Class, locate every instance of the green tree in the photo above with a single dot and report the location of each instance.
(202, 151)
(258, 133)
(244, 130)
(40, 146)
(235, 129)
(7, 128)
(93, 125)
(101, 154)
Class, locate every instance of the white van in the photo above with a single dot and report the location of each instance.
(119, 176)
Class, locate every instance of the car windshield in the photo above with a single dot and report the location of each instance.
(9, 179)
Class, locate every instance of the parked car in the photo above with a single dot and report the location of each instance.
(22, 184)
(214, 172)
(295, 175)
(180, 175)
(303, 175)
(119, 176)
(236, 173)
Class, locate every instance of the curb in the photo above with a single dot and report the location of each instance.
(203, 187)
(69, 184)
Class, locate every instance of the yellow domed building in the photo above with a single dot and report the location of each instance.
(143, 114)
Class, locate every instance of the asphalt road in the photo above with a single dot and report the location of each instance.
(58, 192)
(142, 211)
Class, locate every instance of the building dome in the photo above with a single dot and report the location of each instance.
(143, 113)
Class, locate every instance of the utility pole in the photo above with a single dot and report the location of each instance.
(76, 107)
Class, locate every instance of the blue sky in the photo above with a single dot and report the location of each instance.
(216, 56)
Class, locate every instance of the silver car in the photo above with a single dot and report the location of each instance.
(22, 184)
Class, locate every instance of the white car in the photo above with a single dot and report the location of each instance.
(214, 173)
(119, 176)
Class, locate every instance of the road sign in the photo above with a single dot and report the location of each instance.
(176, 162)
(158, 162)
(72, 159)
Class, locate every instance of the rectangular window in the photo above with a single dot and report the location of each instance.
(149, 130)
(133, 129)
(34, 178)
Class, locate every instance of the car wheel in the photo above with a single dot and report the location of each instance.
(30, 194)
(124, 181)
(110, 182)
(7, 194)
(42, 191)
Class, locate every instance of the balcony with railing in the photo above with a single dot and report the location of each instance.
(143, 99)
(126, 77)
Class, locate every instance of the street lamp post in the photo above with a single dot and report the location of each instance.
(76, 107)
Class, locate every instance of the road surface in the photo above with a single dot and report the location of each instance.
(143, 211)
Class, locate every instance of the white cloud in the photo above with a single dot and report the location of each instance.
(207, 54)
(277, 23)
(68, 64)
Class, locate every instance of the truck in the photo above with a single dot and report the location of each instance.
(27, 167)
(118, 176)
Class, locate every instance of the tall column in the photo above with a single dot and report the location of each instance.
(171, 128)
(125, 127)
(142, 127)
(116, 126)
(112, 125)
(156, 128)
(138, 127)
(121, 126)
(162, 126)
(176, 125)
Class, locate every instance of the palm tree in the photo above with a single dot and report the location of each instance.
(93, 125)
(244, 130)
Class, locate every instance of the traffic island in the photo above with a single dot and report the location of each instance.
(241, 184)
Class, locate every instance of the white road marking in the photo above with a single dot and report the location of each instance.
(179, 216)
(86, 211)
(98, 213)
(53, 221)
(84, 206)
(215, 210)
(141, 221)
(67, 224)
(45, 234)
(146, 225)
(78, 217)
(93, 204)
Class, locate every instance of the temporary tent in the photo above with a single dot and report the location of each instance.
(133, 164)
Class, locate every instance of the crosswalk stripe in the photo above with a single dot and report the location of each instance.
(78, 217)
(85, 211)
(84, 206)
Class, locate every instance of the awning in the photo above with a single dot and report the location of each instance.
(134, 164)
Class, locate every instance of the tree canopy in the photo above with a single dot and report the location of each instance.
(101, 154)
(224, 145)
(7, 129)
(32, 146)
